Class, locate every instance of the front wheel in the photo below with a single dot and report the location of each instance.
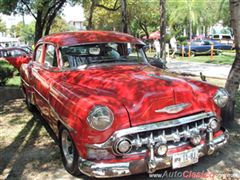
(69, 152)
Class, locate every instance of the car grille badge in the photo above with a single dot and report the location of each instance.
(173, 108)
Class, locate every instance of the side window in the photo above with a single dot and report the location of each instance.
(38, 54)
(8, 53)
(50, 57)
(207, 43)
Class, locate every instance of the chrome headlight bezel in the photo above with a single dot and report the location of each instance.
(221, 97)
(94, 118)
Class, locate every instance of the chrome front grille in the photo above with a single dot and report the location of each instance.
(170, 132)
(169, 135)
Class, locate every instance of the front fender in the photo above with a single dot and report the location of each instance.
(73, 104)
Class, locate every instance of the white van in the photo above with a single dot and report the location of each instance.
(223, 38)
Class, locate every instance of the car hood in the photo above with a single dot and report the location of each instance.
(145, 91)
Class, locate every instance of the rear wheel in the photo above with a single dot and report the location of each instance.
(219, 52)
(192, 53)
(68, 152)
(30, 106)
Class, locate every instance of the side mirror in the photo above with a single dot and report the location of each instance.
(159, 63)
(146, 48)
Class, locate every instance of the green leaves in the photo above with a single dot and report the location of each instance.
(3, 27)
(8, 7)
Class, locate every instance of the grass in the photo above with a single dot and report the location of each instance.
(226, 58)
(14, 81)
(11, 81)
(5, 65)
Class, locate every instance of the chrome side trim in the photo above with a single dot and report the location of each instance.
(25, 82)
(118, 169)
(40, 95)
(151, 127)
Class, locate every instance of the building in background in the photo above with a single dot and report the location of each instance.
(77, 25)
(74, 15)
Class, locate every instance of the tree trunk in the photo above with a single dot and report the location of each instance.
(48, 26)
(52, 16)
(233, 79)
(162, 29)
(90, 18)
(143, 26)
(205, 31)
(190, 29)
(38, 27)
(124, 16)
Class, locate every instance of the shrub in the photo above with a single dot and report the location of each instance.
(182, 40)
(6, 72)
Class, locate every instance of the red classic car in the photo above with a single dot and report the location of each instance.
(15, 56)
(114, 113)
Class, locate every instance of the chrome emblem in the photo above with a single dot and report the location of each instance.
(173, 108)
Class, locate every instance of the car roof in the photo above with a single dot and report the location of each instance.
(86, 37)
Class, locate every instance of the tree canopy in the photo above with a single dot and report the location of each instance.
(3, 27)
(43, 11)
(142, 17)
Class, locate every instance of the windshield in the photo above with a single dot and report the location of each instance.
(92, 54)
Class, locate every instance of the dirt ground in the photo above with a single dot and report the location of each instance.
(29, 150)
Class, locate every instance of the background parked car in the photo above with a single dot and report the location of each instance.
(15, 56)
(223, 38)
(27, 48)
(204, 47)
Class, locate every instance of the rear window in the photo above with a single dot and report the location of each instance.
(216, 36)
(16, 53)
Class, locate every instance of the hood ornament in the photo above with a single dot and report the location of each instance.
(173, 108)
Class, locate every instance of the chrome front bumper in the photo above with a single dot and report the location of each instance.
(105, 170)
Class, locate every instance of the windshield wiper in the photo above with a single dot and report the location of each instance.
(106, 61)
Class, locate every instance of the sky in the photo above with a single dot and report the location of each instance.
(75, 13)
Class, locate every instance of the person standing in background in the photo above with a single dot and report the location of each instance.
(173, 43)
(156, 44)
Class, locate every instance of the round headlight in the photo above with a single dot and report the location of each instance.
(100, 118)
(221, 97)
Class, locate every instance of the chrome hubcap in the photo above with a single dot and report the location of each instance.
(67, 147)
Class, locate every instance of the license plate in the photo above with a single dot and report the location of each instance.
(184, 158)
